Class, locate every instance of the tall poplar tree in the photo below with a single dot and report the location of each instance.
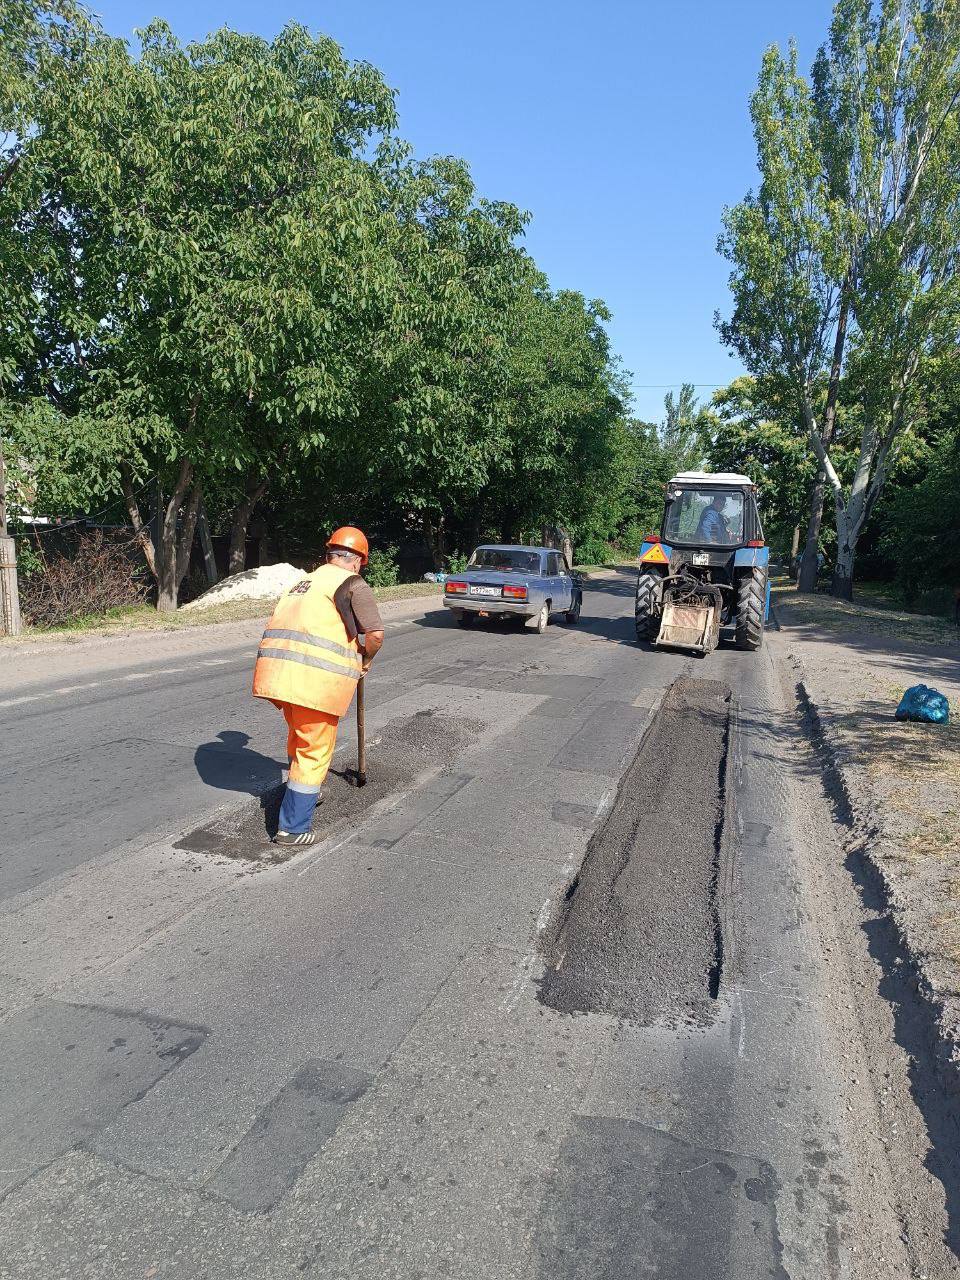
(845, 260)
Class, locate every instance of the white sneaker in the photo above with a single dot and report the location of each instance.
(290, 838)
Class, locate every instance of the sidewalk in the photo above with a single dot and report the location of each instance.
(897, 784)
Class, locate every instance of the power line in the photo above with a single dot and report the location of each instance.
(36, 531)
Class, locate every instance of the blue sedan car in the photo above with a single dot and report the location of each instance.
(514, 582)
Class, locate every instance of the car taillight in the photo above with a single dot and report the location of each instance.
(456, 588)
(756, 542)
(514, 593)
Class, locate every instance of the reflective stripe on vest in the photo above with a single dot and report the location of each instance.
(319, 642)
(306, 656)
(294, 655)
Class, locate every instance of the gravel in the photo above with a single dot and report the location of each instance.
(266, 583)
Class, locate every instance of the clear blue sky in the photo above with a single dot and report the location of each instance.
(620, 124)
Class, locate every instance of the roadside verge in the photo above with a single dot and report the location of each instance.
(895, 785)
(395, 602)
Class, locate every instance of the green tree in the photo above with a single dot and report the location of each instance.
(740, 433)
(220, 201)
(679, 432)
(844, 261)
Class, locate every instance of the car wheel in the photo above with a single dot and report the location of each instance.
(573, 614)
(541, 619)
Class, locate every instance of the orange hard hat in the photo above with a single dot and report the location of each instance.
(350, 539)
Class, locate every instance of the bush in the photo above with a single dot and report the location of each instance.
(633, 536)
(592, 551)
(98, 576)
(382, 568)
(457, 563)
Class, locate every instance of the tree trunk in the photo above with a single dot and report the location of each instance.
(140, 530)
(206, 546)
(3, 494)
(240, 523)
(474, 530)
(793, 567)
(843, 572)
(435, 541)
(176, 538)
(809, 566)
(807, 579)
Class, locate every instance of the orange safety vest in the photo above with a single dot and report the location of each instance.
(307, 656)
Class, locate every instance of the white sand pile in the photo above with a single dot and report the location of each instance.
(266, 583)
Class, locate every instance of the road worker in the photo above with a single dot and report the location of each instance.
(324, 633)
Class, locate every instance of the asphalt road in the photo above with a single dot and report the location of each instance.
(372, 1060)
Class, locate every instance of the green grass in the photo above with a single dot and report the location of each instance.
(146, 618)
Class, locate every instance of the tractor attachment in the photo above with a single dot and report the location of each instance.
(691, 614)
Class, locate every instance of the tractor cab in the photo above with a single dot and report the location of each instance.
(707, 570)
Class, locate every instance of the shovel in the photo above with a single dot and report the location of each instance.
(359, 776)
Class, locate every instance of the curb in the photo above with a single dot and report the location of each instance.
(905, 967)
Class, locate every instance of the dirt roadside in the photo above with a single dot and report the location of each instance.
(895, 785)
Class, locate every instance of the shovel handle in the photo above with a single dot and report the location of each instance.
(361, 732)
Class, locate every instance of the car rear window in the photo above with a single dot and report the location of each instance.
(505, 560)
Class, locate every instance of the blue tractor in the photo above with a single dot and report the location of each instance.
(708, 570)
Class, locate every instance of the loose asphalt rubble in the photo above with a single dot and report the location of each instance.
(405, 751)
(638, 935)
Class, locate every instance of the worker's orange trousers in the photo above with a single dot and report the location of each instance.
(310, 741)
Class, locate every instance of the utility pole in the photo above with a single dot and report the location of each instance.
(9, 588)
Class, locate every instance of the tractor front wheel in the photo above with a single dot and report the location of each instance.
(647, 608)
(751, 610)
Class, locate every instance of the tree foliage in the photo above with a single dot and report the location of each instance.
(225, 271)
(844, 274)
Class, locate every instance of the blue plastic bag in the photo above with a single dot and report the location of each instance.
(921, 703)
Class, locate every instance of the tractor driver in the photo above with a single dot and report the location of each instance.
(712, 526)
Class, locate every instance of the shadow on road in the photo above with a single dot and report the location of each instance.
(229, 765)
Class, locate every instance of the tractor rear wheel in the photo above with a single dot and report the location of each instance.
(751, 610)
(647, 608)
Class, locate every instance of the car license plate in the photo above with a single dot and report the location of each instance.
(484, 591)
(700, 557)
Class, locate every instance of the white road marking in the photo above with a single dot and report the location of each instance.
(117, 679)
(604, 802)
(512, 998)
(543, 916)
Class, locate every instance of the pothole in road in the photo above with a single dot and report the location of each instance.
(402, 752)
(639, 933)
